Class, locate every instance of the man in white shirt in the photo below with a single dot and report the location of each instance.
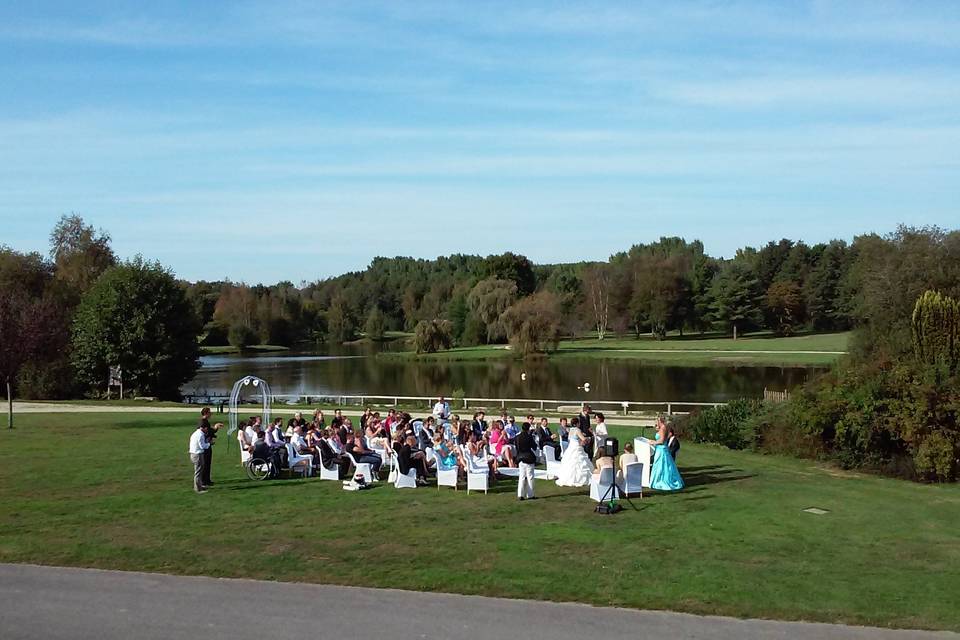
(198, 445)
(441, 410)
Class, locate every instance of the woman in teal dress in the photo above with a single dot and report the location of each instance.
(664, 475)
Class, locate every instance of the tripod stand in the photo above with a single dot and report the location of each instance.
(613, 491)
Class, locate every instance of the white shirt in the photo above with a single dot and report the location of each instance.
(198, 442)
(335, 445)
(441, 409)
(299, 442)
(601, 429)
(275, 437)
(251, 434)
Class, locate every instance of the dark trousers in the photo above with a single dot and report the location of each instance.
(207, 463)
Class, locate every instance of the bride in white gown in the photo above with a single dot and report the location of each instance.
(575, 467)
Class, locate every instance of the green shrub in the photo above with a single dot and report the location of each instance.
(728, 425)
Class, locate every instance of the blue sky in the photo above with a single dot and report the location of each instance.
(264, 141)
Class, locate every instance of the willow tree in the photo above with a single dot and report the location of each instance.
(936, 329)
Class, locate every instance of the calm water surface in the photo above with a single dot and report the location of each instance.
(356, 371)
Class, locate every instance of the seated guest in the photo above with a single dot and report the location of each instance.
(300, 445)
(500, 444)
(274, 436)
(243, 437)
(330, 458)
(627, 457)
(479, 456)
(603, 461)
(318, 419)
(333, 441)
(362, 454)
(546, 438)
(463, 432)
(479, 424)
(377, 436)
(450, 428)
(297, 420)
(408, 457)
(251, 429)
(425, 435)
(447, 457)
(511, 429)
(563, 432)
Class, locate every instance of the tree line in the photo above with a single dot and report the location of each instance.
(79, 310)
(669, 285)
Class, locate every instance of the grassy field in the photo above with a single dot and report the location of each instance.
(254, 348)
(113, 491)
(806, 350)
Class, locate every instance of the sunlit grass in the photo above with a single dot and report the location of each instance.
(113, 491)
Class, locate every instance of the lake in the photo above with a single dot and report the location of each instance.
(357, 371)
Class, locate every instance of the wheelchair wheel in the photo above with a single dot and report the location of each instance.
(258, 469)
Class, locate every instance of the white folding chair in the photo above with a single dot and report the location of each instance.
(362, 468)
(478, 478)
(633, 478)
(600, 486)
(406, 480)
(297, 462)
(446, 477)
(553, 465)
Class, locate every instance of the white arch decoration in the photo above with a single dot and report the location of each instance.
(265, 397)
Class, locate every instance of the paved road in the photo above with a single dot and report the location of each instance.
(52, 602)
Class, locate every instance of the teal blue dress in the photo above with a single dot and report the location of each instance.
(664, 475)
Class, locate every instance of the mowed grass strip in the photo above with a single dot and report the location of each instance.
(114, 491)
(805, 350)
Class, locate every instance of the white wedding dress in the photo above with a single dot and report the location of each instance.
(576, 470)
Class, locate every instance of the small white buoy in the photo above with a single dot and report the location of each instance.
(523, 375)
(586, 387)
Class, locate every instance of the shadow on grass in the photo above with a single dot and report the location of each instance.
(699, 476)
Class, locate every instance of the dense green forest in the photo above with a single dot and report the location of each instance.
(669, 285)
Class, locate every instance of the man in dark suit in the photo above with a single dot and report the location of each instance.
(408, 457)
(527, 459)
(479, 425)
(211, 439)
(546, 438)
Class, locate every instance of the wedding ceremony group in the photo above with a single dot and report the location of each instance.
(445, 449)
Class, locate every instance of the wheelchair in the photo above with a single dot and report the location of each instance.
(260, 469)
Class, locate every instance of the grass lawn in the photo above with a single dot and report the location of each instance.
(113, 491)
(806, 350)
(256, 348)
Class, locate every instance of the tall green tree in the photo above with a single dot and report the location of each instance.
(375, 325)
(79, 252)
(533, 323)
(29, 328)
(488, 300)
(137, 316)
(736, 298)
(827, 306)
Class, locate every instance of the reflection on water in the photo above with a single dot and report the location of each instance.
(355, 371)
